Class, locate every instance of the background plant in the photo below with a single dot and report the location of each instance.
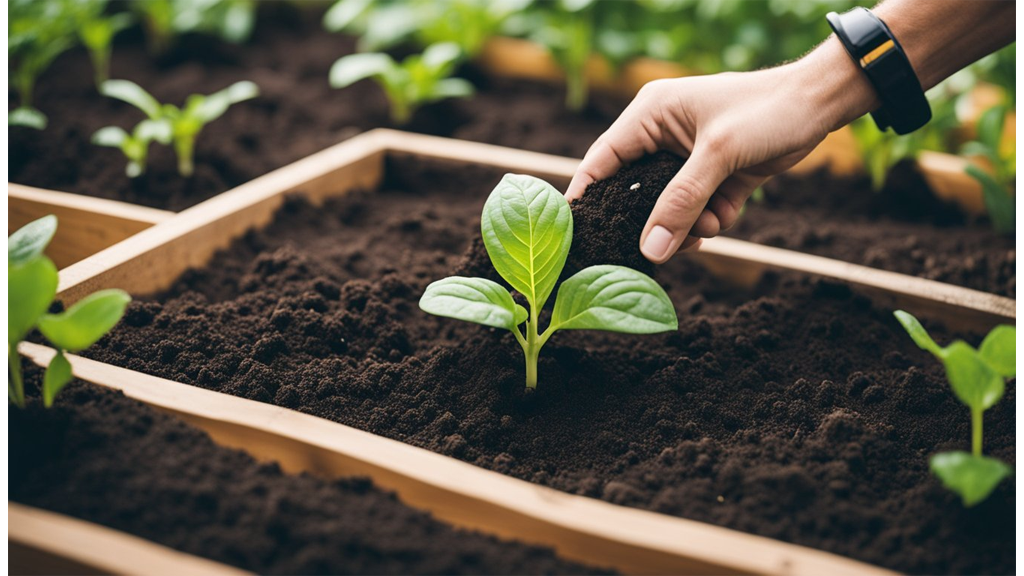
(977, 377)
(165, 20)
(185, 123)
(37, 32)
(31, 287)
(134, 146)
(527, 230)
(997, 187)
(96, 30)
(419, 79)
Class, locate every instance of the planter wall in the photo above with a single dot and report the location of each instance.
(42, 542)
(578, 527)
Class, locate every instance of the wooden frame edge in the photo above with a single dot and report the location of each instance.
(44, 542)
(579, 528)
(86, 224)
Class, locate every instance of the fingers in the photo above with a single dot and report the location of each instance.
(681, 206)
(723, 209)
(600, 162)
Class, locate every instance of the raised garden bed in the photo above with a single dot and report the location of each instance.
(805, 423)
(101, 457)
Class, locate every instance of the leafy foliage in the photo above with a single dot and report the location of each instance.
(96, 30)
(37, 33)
(996, 188)
(164, 20)
(167, 123)
(419, 79)
(31, 287)
(527, 231)
(977, 377)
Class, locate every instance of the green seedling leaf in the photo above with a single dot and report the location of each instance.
(27, 117)
(917, 332)
(81, 325)
(972, 477)
(453, 88)
(441, 54)
(1000, 205)
(355, 67)
(57, 376)
(343, 13)
(474, 300)
(132, 93)
(214, 106)
(613, 298)
(999, 350)
(111, 136)
(31, 287)
(990, 127)
(527, 230)
(973, 381)
(30, 240)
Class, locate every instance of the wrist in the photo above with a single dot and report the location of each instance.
(836, 90)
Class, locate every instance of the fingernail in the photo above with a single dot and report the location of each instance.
(657, 243)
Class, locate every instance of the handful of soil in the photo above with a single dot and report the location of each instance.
(607, 220)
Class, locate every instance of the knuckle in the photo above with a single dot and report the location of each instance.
(683, 196)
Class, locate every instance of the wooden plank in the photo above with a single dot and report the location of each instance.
(86, 225)
(579, 528)
(43, 542)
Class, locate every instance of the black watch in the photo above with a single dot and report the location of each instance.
(877, 52)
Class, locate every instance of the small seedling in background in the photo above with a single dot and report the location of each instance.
(96, 30)
(527, 230)
(569, 33)
(1000, 203)
(185, 123)
(164, 20)
(977, 377)
(134, 146)
(37, 33)
(418, 80)
(31, 287)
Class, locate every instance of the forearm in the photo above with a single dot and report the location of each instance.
(939, 36)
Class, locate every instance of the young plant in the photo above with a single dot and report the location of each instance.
(134, 146)
(418, 80)
(569, 33)
(31, 286)
(96, 30)
(1000, 203)
(164, 20)
(977, 377)
(527, 230)
(37, 33)
(185, 123)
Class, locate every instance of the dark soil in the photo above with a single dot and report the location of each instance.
(105, 458)
(296, 114)
(796, 410)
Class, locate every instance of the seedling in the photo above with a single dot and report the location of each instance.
(418, 80)
(96, 30)
(164, 20)
(37, 33)
(996, 188)
(31, 287)
(134, 146)
(569, 33)
(184, 124)
(527, 230)
(977, 377)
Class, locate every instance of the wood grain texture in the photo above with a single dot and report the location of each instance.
(43, 542)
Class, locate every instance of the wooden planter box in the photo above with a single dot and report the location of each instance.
(86, 224)
(579, 528)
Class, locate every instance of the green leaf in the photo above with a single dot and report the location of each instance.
(452, 88)
(27, 117)
(112, 136)
(474, 300)
(999, 350)
(87, 321)
(343, 13)
(917, 332)
(214, 106)
(30, 240)
(442, 54)
(355, 67)
(972, 477)
(973, 381)
(999, 203)
(159, 130)
(613, 298)
(31, 287)
(990, 127)
(132, 93)
(527, 230)
(57, 376)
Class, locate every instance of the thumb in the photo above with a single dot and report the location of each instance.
(681, 204)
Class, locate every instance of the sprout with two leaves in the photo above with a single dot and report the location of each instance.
(419, 79)
(527, 230)
(167, 123)
(977, 377)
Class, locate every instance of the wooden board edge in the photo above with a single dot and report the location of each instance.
(113, 208)
(579, 528)
(40, 542)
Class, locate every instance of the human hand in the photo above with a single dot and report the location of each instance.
(734, 129)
